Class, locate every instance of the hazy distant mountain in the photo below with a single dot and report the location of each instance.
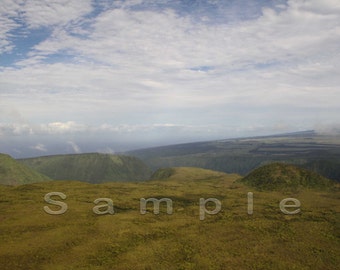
(279, 176)
(319, 153)
(13, 172)
(94, 167)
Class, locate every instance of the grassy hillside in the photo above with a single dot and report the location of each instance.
(229, 239)
(307, 149)
(15, 173)
(280, 176)
(94, 167)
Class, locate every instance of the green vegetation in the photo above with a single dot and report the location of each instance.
(186, 173)
(280, 176)
(93, 168)
(306, 149)
(231, 239)
(15, 173)
(329, 168)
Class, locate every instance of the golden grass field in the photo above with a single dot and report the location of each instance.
(231, 239)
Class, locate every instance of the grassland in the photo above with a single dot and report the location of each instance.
(231, 239)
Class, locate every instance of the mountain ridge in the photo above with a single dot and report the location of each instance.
(308, 149)
(90, 167)
(13, 172)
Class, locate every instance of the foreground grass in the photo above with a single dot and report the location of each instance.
(231, 239)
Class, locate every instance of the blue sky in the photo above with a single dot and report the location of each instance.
(109, 76)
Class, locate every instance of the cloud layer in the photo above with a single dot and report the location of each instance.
(166, 71)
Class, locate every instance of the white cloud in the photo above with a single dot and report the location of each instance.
(316, 6)
(8, 11)
(39, 13)
(60, 127)
(18, 15)
(127, 69)
(15, 129)
(78, 129)
(75, 147)
(40, 147)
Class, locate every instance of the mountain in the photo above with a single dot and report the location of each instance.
(14, 173)
(93, 167)
(280, 176)
(320, 153)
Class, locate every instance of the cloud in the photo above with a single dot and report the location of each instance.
(75, 147)
(15, 129)
(163, 37)
(54, 12)
(40, 147)
(110, 136)
(169, 69)
(60, 127)
(8, 11)
(16, 16)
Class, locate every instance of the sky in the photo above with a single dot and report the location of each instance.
(112, 75)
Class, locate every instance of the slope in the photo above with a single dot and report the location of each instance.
(93, 167)
(186, 174)
(15, 173)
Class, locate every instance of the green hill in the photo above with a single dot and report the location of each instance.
(15, 173)
(280, 176)
(93, 168)
(231, 239)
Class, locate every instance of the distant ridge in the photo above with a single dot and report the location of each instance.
(303, 133)
(296, 134)
(308, 149)
(92, 167)
(280, 176)
(13, 172)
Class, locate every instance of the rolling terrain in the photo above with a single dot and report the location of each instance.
(14, 173)
(231, 238)
(93, 168)
(217, 220)
(308, 150)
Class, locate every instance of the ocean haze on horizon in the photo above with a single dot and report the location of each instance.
(111, 76)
